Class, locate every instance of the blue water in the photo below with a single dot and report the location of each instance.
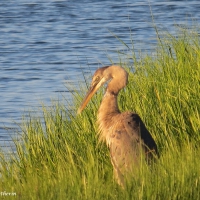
(45, 46)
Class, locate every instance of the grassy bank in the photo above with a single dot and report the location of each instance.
(60, 157)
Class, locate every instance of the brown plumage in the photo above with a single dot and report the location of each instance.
(124, 133)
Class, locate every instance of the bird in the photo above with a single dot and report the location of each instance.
(124, 132)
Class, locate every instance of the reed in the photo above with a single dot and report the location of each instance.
(59, 156)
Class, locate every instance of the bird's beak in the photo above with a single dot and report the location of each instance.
(90, 94)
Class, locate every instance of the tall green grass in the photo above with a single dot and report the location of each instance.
(59, 156)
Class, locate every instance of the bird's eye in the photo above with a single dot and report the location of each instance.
(97, 79)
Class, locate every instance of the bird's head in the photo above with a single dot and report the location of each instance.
(100, 77)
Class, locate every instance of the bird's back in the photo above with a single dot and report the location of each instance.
(129, 139)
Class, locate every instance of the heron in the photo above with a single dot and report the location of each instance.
(124, 132)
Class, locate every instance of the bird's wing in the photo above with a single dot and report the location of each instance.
(136, 128)
(129, 138)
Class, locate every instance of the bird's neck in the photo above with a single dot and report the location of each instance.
(107, 112)
(108, 105)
